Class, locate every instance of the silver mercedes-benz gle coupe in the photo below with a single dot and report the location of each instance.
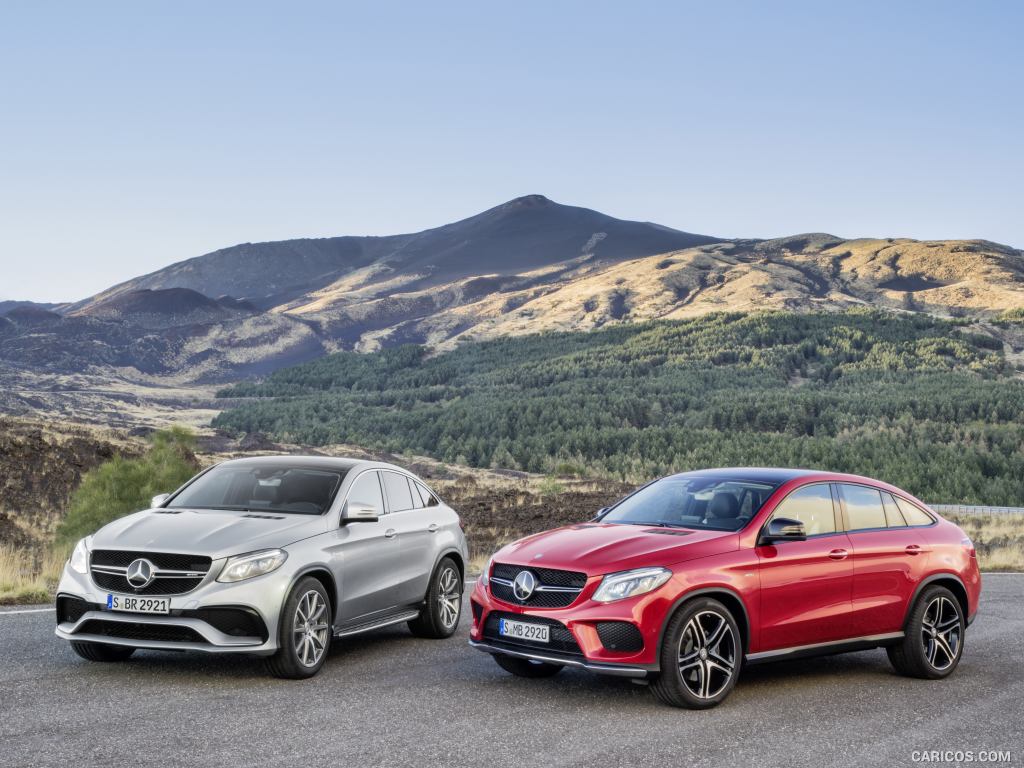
(273, 556)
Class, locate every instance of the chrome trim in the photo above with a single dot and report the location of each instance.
(781, 652)
(540, 588)
(619, 670)
(69, 631)
(359, 629)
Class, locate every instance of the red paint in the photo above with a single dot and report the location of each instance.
(828, 588)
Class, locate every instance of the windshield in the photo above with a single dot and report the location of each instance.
(262, 488)
(711, 503)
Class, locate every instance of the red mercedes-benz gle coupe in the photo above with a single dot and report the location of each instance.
(692, 576)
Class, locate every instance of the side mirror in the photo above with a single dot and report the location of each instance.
(600, 512)
(158, 500)
(784, 529)
(360, 512)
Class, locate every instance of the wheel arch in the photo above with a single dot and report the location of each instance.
(948, 580)
(322, 574)
(728, 597)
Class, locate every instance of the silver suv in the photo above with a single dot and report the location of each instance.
(273, 556)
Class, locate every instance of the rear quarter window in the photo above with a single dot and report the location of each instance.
(913, 513)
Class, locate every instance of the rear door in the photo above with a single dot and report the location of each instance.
(367, 557)
(806, 586)
(889, 558)
(416, 527)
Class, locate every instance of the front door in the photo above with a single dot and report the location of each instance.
(806, 586)
(366, 557)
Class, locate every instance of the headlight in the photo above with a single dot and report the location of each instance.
(249, 566)
(485, 575)
(618, 586)
(79, 560)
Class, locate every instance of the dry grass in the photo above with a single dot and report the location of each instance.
(29, 575)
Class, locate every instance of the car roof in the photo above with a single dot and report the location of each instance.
(777, 475)
(324, 462)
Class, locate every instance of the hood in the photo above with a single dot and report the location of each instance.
(600, 548)
(213, 533)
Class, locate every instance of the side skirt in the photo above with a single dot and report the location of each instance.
(385, 621)
(824, 649)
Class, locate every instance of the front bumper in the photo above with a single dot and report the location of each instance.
(213, 618)
(575, 638)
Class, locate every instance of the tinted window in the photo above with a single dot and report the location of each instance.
(863, 507)
(812, 506)
(429, 499)
(892, 513)
(366, 490)
(714, 503)
(262, 487)
(914, 514)
(399, 495)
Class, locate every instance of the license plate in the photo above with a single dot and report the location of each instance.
(138, 604)
(522, 631)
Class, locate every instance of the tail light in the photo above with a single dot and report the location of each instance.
(969, 546)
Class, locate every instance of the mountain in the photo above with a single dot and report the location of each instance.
(523, 234)
(525, 266)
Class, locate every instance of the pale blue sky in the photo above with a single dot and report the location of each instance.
(135, 134)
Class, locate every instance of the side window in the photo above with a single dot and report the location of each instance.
(812, 506)
(863, 507)
(429, 499)
(913, 513)
(417, 500)
(366, 490)
(399, 495)
(892, 513)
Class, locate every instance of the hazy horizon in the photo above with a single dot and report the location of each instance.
(138, 136)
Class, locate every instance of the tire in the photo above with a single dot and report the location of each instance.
(700, 656)
(526, 667)
(102, 651)
(442, 607)
(304, 632)
(934, 637)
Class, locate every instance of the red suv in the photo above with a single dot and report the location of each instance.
(693, 575)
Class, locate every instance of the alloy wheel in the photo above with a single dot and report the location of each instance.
(707, 654)
(941, 632)
(449, 597)
(311, 629)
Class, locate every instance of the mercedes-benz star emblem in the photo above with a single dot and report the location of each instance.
(524, 585)
(140, 573)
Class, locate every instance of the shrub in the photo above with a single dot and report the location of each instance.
(124, 485)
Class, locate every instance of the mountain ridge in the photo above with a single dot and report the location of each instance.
(524, 266)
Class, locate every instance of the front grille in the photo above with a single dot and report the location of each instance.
(156, 587)
(620, 636)
(142, 632)
(71, 609)
(504, 574)
(108, 568)
(561, 639)
(165, 561)
(547, 576)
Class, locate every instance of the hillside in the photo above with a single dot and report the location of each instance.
(525, 266)
(923, 403)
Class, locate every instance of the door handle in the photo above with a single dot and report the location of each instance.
(390, 533)
(838, 554)
(432, 527)
(913, 549)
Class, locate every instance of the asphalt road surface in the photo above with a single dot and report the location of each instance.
(389, 699)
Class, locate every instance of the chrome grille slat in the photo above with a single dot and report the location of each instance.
(109, 570)
(555, 588)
